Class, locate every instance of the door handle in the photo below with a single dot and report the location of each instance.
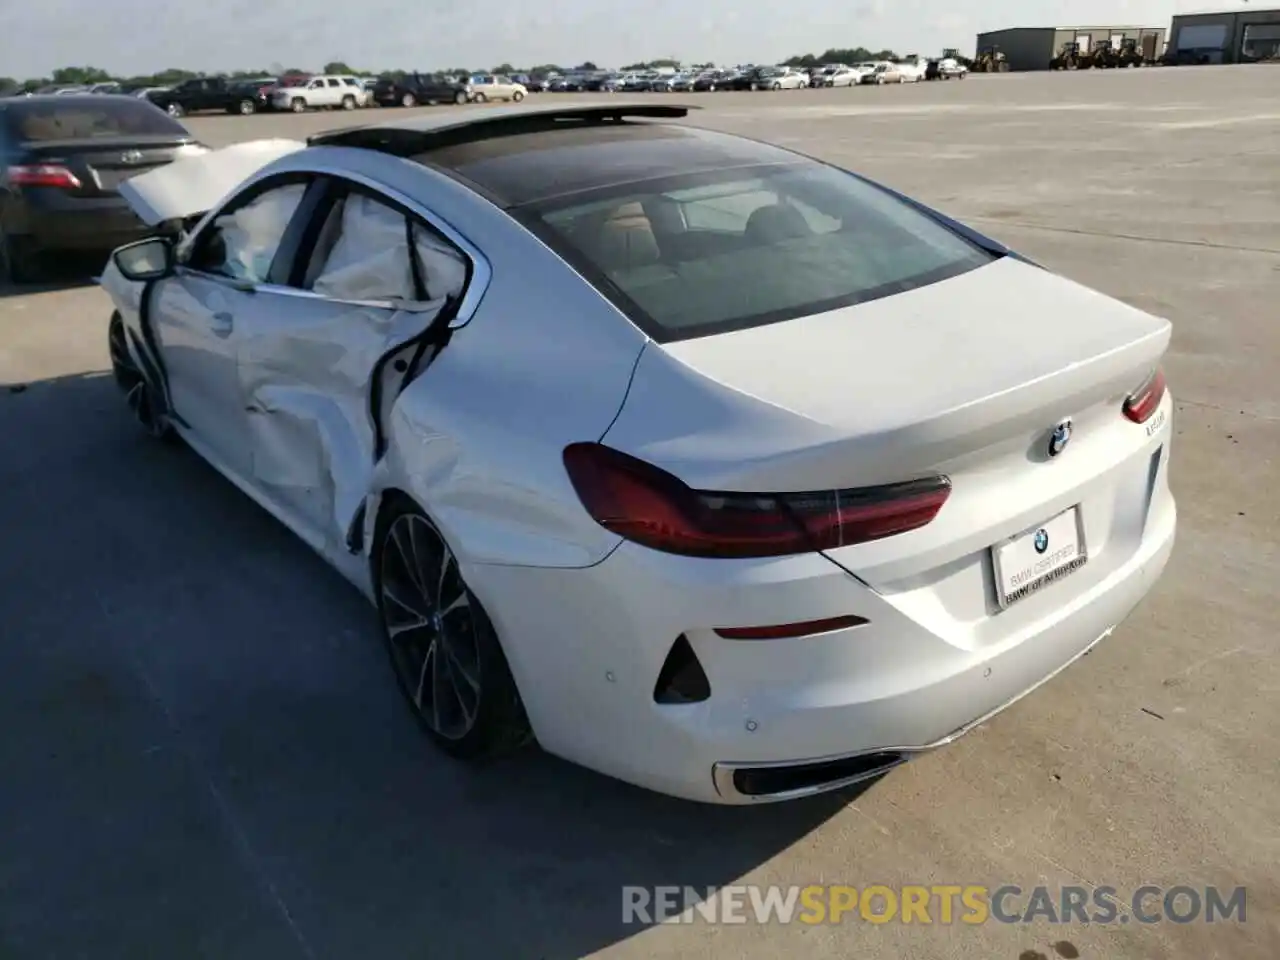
(222, 324)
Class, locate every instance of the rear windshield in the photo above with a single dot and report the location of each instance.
(703, 254)
(89, 118)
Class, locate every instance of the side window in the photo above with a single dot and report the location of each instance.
(334, 83)
(315, 84)
(363, 253)
(242, 243)
(351, 81)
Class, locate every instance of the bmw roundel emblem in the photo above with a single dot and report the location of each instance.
(1042, 540)
(1059, 437)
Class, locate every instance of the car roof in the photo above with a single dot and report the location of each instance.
(69, 99)
(520, 156)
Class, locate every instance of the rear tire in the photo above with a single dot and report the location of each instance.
(348, 103)
(481, 98)
(298, 105)
(175, 110)
(517, 96)
(246, 108)
(466, 698)
(408, 100)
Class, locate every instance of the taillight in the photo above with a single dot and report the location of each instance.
(1143, 402)
(649, 506)
(43, 175)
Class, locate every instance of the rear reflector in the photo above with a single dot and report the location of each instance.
(1143, 402)
(43, 175)
(681, 679)
(790, 630)
(649, 506)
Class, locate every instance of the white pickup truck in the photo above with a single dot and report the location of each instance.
(324, 92)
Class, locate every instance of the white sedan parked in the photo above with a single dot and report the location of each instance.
(728, 473)
(783, 78)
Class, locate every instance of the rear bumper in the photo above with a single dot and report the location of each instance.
(60, 222)
(586, 647)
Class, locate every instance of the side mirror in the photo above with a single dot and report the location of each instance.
(150, 259)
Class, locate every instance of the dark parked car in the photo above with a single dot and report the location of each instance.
(751, 80)
(62, 159)
(201, 94)
(716, 80)
(417, 88)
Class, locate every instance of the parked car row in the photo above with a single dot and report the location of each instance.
(756, 77)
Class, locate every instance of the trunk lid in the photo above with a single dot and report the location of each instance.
(965, 378)
(887, 390)
(101, 165)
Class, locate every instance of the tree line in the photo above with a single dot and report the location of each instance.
(173, 75)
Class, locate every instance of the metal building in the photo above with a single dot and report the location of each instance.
(1232, 37)
(1031, 48)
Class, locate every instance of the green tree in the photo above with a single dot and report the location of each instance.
(337, 66)
(80, 75)
(504, 68)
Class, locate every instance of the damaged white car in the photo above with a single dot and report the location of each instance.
(714, 467)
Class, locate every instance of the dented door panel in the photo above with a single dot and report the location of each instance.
(194, 320)
(306, 372)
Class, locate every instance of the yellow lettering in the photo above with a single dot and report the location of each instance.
(975, 899)
(890, 904)
(843, 900)
(946, 901)
(814, 907)
(915, 903)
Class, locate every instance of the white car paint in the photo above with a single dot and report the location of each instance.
(196, 184)
(912, 71)
(962, 377)
(322, 92)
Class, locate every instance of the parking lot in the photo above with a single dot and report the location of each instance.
(205, 755)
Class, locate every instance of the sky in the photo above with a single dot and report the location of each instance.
(133, 37)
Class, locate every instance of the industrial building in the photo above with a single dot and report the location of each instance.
(1233, 37)
(1031, 48)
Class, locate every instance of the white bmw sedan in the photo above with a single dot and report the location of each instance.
(708, 465)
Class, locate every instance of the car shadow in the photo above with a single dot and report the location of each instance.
(60, 272)
(207, 753)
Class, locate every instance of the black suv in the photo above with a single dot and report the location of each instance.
(417, 88)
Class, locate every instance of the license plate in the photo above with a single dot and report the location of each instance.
(1038, 557)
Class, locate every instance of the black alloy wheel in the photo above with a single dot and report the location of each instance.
(443, 647)
(145, 403)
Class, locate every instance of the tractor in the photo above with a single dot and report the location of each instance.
(1104, 56)
(1068, 58)
(1131, 54)
(991, 60)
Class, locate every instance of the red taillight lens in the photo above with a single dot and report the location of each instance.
(1143, 402)
(43, 175)
(649, 506)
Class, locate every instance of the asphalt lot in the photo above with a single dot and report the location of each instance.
(204, 754)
